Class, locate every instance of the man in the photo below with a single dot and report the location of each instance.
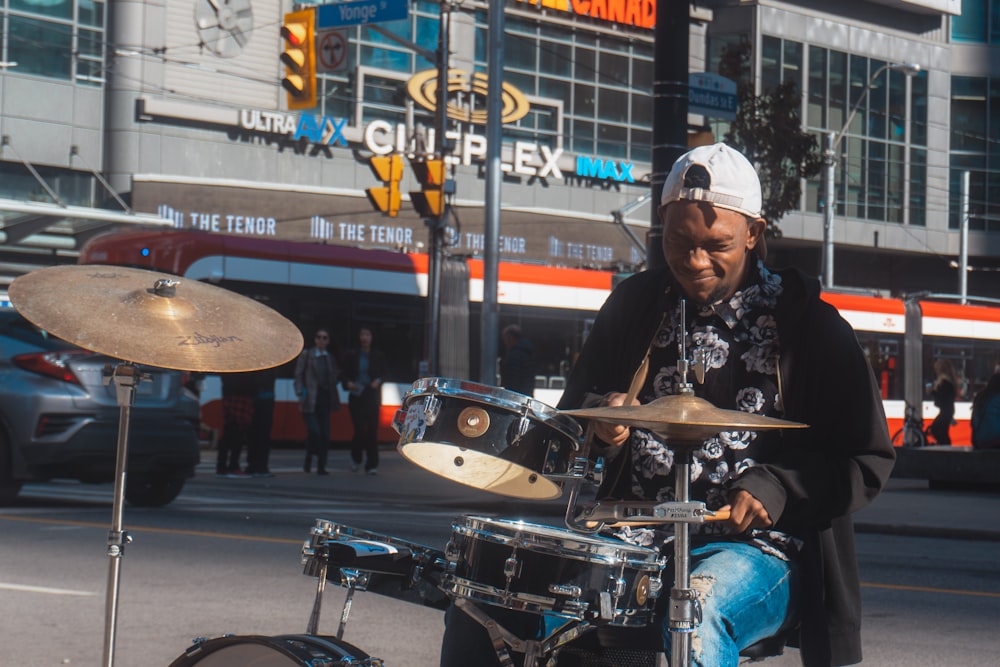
(770, 347)
(363, 373)
(517, 368)
(316, 373)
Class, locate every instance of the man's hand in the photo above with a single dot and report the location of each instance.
(746, 512)
(612, 434)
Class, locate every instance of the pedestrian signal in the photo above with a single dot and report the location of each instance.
(299, 58)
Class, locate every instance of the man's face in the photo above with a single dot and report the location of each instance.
(708, 249)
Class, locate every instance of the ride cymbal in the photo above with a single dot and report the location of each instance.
(682, 417)
(155, 318)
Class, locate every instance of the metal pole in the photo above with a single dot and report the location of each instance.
(829, 202)
(436, 240)
(670, 110)
(490, 317)
(963, 242)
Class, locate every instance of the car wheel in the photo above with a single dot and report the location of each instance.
(152, 490)
(9, 487)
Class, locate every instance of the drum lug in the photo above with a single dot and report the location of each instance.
(432, 409)
(452, 552)
(566, 591)
(512, 568)
(655, 586)
(620, 586)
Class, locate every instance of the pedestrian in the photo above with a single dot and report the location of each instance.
(943, 391)
(364, 370)
(986, 415)
(316, 373)
(517, 367)
(263, 417)
(783, 563)
(238, 391)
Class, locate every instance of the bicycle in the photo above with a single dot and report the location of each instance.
(912, 433)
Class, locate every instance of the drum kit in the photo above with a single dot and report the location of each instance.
(485, 437)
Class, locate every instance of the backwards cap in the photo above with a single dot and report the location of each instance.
(719, 175)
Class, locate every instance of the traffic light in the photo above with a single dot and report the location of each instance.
(299, 57)
(429, 201)
(389, 170)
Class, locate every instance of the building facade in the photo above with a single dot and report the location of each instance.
(171, 113)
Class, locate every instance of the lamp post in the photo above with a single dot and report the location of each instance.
(829, 165)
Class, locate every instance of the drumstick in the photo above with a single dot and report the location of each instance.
(719, 515)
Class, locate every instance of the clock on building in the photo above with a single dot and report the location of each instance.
(224, 26)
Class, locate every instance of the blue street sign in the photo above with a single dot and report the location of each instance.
(360, 12)
(711, 95)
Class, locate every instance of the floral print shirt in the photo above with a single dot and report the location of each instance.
(737, 339)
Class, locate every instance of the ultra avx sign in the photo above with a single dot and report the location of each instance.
(360, 12)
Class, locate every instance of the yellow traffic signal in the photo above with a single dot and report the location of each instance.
(299, 57)
(429, 201)
(389, 170)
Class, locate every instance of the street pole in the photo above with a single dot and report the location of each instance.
(490, 316)
(435, 248)
(671, 38)
(829, 202)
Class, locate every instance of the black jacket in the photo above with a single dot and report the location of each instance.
(810, 480)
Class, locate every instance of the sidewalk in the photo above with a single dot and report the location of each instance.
(906, 507)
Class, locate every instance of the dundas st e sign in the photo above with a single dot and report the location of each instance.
(525, 158)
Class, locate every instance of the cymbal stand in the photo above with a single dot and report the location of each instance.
(126, 378)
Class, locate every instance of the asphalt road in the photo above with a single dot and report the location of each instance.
(226, 558)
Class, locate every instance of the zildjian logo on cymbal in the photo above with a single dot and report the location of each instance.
(201, 339)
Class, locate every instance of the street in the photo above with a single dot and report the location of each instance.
(224, 558)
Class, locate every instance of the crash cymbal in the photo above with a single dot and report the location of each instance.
(682, 417)
(154, 318)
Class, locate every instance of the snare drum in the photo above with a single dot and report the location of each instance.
(529, 567)
(281, 651)
(381, 564)
(489, 438)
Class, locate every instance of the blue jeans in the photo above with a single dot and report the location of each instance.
(746, 595)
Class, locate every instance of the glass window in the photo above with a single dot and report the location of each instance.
(91, 12)
(399, 61)
(583, 101)
(518, 52)
(89, 64)
(770, 62)
(642, 74)
(971, 25)
(61, 9)
(838, 90)
(584, 64)
(555, 59)
(918, 109)
(641, 149)
(612, 106)
(791, 63)
(40, 47)
(612, 141)
(818, 97)
(613, 69)
(918, 187)
(968, 113)
(582, 138)
(557, 89)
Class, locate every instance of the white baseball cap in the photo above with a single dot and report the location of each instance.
(716, 174)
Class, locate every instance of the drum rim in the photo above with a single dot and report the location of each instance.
(610, 550)
(498, 397)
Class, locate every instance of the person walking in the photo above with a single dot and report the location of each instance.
(943, 391)
(364, 369)
(517, 367)
(316, 373)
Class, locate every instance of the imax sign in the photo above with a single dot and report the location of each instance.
(591, 167)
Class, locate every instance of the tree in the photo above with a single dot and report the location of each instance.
(768, 130)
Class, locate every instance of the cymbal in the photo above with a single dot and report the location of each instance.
(155, 318)
(682, 417)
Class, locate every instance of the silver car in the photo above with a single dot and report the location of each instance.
(59, 419)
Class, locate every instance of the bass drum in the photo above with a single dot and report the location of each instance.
(280, 651)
